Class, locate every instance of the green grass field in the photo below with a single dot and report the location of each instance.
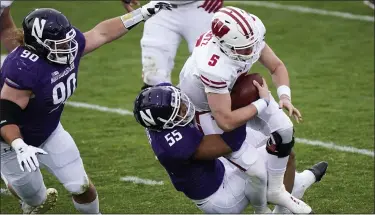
(331, 66)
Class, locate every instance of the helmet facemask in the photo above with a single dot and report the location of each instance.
(62, 51)
(183, 110)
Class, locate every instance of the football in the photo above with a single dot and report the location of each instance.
(244, 92)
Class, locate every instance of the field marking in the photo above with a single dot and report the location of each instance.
(5, 192)
(336, 147)
(99, 108)
(301, 9)
(328, 145)
(137, 180)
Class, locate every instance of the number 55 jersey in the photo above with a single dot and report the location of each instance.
(209, 70)
(51, 85)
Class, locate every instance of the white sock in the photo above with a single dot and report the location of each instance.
(88, 208)
(276, 168)
(302, 181)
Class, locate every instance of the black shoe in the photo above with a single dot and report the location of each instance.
(319, 170)
(145, 86)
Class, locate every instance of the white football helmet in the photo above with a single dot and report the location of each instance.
(237, 33)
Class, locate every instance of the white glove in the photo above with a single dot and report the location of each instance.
(26, 154)
(154, 7)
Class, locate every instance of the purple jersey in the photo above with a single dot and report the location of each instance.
(174, 149)
(52, 84)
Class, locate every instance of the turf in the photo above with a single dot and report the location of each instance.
(331, 66)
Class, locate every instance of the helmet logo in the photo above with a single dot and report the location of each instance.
(147, 117)
(38, 27)
(219, 29)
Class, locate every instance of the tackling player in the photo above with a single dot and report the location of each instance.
(37, 79)
(234, 44)
(191, 159)
(162, 35)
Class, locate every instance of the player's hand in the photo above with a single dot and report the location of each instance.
(263, 91)
(154, 7)
(129, 4)
(26, 155)
(211, 6)
(287, 104)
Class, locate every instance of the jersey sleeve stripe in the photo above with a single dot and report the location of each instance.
(213, 86)
(213, 82)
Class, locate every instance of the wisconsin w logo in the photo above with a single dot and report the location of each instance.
(38, 26)
(147, 118)
(219, 29)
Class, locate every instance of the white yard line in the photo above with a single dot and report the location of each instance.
(5, 192)
(301, 9)
(137, 180)
(329, 145)
(99, 108)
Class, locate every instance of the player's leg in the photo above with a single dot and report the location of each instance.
(302, 181)
(65, 163)
(196, 22)
(245, 157)
(27, 186)
(159, 44)
(279, 147)
(230, 197)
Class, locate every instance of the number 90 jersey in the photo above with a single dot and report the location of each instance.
(209, 70)
(51, 85)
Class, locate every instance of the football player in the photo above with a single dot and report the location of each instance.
(234, 43)
(162, 35)
(191, 159)
(36, 80)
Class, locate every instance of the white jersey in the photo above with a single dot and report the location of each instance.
(3, 5)
(182, 2)
(209, 70)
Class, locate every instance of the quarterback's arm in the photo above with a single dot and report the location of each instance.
(226, 119)
(7, 28)
(276, 67)
(211, 147)
(12, 101)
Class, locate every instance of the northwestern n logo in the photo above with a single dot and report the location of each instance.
(147, 117)
(38, 26)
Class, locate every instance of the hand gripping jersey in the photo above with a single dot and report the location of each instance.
(175, 148)
(209, 70)
(52, 84)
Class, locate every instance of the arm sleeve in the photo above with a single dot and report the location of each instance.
(81, 40)
(19, 76)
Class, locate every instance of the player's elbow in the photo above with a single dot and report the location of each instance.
(225, 124)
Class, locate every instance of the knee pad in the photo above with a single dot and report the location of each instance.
(281, 143)
(33, 192)
(78, 187)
